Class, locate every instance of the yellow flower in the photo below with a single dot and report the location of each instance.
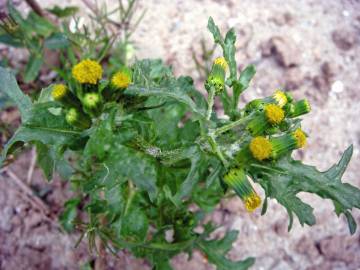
(280, 98)
(252, 202)
(274, 114)
(221, 62)
(260, 148)
(121, 79)
(87, 71)
(59, 91)
(237, 179)
(300, 138)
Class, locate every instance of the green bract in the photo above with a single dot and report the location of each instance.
(144, 154)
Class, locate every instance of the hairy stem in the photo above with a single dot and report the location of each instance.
(210, 101)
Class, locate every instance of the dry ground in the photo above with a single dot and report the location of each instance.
(308, 47)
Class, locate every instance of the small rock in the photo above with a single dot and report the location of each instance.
(283, 49)
(344, 39)
(5, 220)
(293, 78)
(349, 246)
(307, 247)
(283, 19)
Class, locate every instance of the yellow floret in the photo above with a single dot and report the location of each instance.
(121, 79)
(221, 62)
(280, 98)
(274, 114)
(252, 202)
(300, 138)
(260, 148)
(87, 71)
(59, 91)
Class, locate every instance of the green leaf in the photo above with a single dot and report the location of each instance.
(229, 53)
(171, 91)
(33, 67)
(215, 32)
(11, 41)
(40, 125)
(216, 251)
(193, 176)
(243, 83)
(134, 224)
(9, 86)
(63, 12)
(246, 76)
(118, 162)
(45, 159)
(285, 178)
(69, 214)
(40, 25)
(57, 41)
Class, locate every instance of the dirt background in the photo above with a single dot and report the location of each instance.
(308, 47)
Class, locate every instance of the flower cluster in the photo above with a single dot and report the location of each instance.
(85, 100)
(272, 132)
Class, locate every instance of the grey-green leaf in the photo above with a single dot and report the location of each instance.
(9, 86)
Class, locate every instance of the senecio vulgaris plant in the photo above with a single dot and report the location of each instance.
(143, 146)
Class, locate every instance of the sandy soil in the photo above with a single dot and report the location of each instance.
(308, 47)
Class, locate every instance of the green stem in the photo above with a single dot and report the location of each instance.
(210, 101)
(217, 151)
(227, 127)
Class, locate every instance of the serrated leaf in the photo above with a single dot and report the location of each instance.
(216, 251)
(42, 126)
(9, 87)
(285, 178)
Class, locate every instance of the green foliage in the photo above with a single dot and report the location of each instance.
(67, 37)
(157, 147)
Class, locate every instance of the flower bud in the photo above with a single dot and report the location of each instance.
(216, 78)
(62, 94)
(280, 98)
(237, 180)
(272, 115)
(121, 79)
(92, 103)
(77, 118)
(300, 138)
(282, 145)
(262, 148)
(299, 108)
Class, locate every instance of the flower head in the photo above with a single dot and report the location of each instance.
(260, 148)
(87, 71)
(59, 91)
(237, 179)
(221, 62)
(91, 100)
(252, 202)
(300, 138)
(280, 98)
(274, 114)
(77, 119)
(121, 79)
